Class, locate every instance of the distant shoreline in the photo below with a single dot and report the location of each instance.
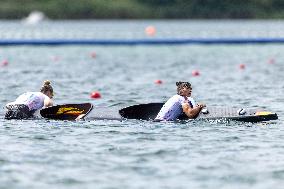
(143, 9)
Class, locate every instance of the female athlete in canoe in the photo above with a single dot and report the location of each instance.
(180, 103)
(26, 104)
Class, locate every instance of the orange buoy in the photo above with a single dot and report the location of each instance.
(242, 66)
(158, 81)
(150, 30)
(95, 94)
(195, 73)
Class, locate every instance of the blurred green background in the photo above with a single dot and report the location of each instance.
(144, 9)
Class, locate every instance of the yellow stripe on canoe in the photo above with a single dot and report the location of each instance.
(263, 113)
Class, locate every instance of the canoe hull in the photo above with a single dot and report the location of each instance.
(87, 111)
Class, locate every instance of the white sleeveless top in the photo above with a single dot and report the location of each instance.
(34, 100)
(172, 109)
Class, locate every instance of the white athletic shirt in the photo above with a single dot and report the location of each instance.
(172, 109)
(34, 100)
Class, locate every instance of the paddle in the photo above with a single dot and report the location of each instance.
(66, 111)
(144, 111)
(141, 111)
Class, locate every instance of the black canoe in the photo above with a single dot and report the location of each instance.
(149, 111)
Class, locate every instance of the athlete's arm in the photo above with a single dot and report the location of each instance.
(192, 112)
(9, 104)
(48, 102)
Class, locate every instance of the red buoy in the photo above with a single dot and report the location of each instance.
(195, 73)
(242, 66)
(95, 94)
(4, 63)
(158, 81)
(271, 61)
(93, 55)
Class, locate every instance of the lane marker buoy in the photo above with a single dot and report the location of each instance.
(271, 61)
(150, 30)
(158, 81)
(242, 66)
(4, 63)
(93, 54)
(95, 95)
(195, 73)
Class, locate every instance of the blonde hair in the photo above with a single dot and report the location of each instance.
(46, 87)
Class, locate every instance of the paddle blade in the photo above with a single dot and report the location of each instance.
(141, 111)
(66, 111)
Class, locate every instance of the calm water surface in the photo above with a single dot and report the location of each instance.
(141, 154)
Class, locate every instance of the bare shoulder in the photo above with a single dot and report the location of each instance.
(48, 102)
